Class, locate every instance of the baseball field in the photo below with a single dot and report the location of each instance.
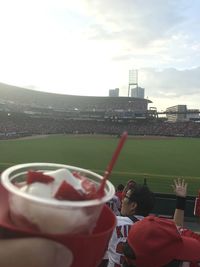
(160, 160)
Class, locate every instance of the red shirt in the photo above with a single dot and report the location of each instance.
(119, 194)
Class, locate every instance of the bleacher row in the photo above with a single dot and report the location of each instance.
(24, 125)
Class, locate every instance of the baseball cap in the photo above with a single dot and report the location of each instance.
(157, 241)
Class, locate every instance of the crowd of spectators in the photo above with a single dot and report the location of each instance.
(24, 125)
(140, 240)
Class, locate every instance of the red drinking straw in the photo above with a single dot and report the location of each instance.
(108, 171)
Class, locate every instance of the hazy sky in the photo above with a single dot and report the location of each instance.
(87, 47)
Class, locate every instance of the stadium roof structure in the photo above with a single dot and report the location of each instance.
(28, 97)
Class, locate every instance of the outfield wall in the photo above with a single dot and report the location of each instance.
(166, 203)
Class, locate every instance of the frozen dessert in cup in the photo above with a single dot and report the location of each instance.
(42, 205)
(85, 249)
(62, 203)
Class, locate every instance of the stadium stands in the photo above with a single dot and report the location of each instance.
(26, 112)
(17, 125)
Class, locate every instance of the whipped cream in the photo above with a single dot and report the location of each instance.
(54, 219)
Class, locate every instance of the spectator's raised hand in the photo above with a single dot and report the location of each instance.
(180, 187)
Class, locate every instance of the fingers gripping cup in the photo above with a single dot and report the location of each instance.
(84, 226)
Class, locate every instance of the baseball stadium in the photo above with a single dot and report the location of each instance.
(84, 131)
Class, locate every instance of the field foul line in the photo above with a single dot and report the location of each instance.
(7, 163)
(150, 174)
(130, 173)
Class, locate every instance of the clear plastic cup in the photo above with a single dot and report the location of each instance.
(52, 216)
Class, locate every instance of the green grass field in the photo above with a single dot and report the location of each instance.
(159, 160)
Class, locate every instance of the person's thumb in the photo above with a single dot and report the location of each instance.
(34, 252)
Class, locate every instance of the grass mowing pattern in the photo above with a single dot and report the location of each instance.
(158, 160)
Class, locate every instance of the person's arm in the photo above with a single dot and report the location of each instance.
(32, 252)
(180, 189)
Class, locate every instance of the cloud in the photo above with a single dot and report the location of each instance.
(170, 87)
(172, 80)
(138, 22)
(88, 46)
(151, 33)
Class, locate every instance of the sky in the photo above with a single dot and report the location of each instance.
(86, 47)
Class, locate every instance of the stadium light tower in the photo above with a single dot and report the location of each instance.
(133, 80)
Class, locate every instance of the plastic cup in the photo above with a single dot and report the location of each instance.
(52, 216)
(87, 249)
(87, 238)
